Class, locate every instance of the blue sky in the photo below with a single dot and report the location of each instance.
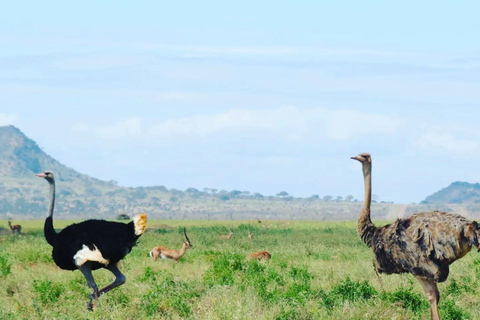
(254, 96)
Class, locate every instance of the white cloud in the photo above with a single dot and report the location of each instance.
(290, 122)
(128, 129)
(449, 142)
(7, 119)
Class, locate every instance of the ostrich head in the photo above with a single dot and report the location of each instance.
(364, 158)
(47, 175)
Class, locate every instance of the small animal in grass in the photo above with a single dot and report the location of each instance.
(92, 244)
(250, 235)
(16, 228)
(260, 255)
(175, 255)
(226, 236)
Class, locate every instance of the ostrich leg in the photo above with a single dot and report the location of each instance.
(433, 295)
(86, 270)
(119, 278)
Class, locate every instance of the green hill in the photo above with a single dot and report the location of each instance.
(457, 193)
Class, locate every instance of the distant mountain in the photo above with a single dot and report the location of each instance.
(457, 193)
(21, 157)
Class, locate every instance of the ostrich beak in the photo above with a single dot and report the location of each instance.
(41, 175)
(354, 158)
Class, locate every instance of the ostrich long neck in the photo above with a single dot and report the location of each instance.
(365, 227)
(48, 229)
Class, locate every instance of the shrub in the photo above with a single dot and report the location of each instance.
(348, 290)
(408, 299)
(48, 291)
(5, 266)
(223, 270)
(170, 296)
(353, 291)
(450, 311)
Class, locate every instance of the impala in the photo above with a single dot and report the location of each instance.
(174, 255)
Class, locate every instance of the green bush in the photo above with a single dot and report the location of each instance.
(354, 291)
(347, 290)
(170, 296)
(408, 299)
(450, 311)
(223, 270)
(5, 266)
(48, 291)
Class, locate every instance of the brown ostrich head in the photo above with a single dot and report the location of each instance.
(363, 158)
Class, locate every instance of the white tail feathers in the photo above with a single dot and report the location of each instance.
(140, 223)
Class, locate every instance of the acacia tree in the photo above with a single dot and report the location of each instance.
(327, 198)
(282, 194)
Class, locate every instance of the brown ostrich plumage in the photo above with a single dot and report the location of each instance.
(424, 244)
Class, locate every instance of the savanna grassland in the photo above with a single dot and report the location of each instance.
(318, 270)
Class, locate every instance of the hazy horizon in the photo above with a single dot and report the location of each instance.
(264, 97)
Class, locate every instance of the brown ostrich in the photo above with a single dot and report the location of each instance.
(424, 244)
(15, 228)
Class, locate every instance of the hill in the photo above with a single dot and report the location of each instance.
(456, 193)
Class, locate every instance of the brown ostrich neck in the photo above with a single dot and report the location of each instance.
(367, 175)
(365, 227)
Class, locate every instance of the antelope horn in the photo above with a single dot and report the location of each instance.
(185, 233)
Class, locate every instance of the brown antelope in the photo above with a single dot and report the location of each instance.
(250, 235)
(174, 255)
(260, 255)
(226, 236)
(15, 228)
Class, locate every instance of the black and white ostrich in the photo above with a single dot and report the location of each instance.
(91, 244)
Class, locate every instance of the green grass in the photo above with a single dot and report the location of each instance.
(318, 270)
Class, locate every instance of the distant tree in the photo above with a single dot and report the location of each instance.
(224, 198)
(423, 202)
(314, 197)
(206, 190)
(123, 216)
(282, 194)
(192, 190)
(349, 198)
(245, 194)
(176, 192)
(173, 199)
(257, 195)
(113, 183)
(234, 193)
(158, 188)
(139, 193)
(94, 192)
(213, 191)
(339, 198)
(327, 198)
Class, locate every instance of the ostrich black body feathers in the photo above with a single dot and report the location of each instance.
(113, 239)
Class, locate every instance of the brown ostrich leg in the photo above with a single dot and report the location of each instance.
(433, 295)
